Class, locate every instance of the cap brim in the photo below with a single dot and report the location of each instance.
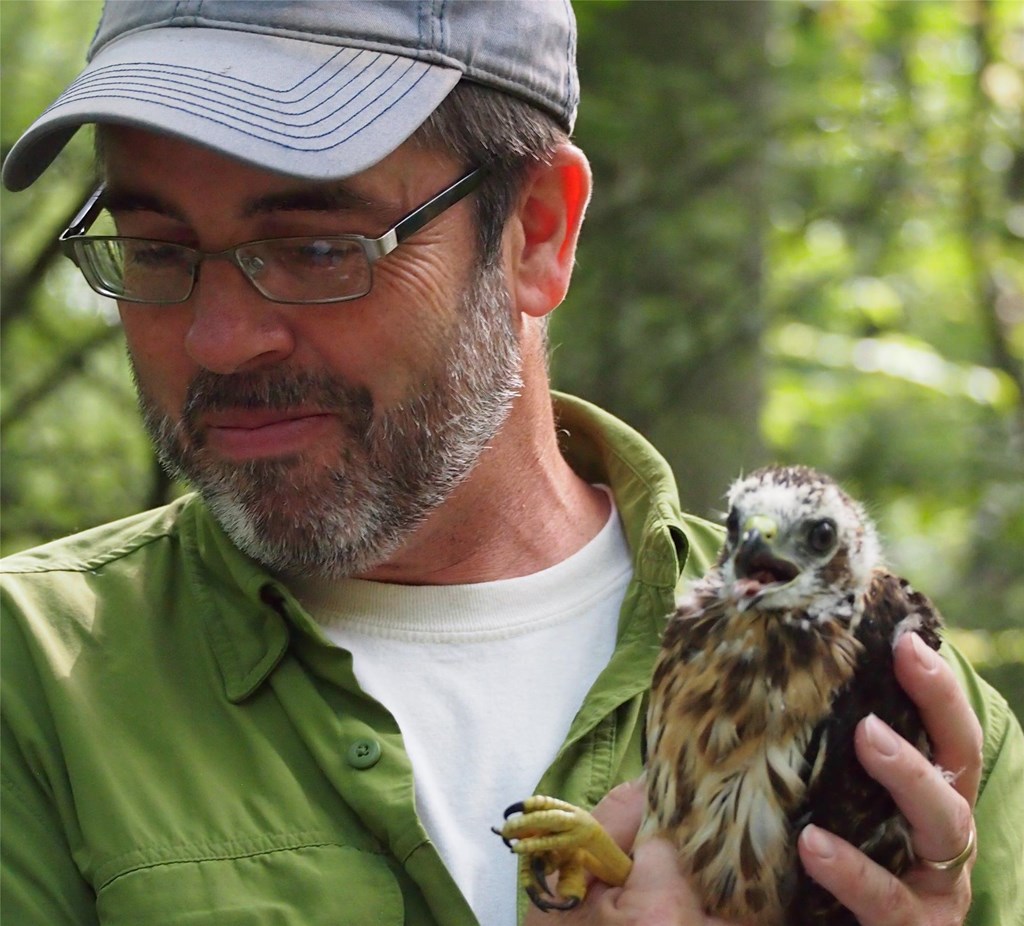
(309, 110)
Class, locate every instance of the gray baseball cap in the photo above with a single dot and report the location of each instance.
(319, 90)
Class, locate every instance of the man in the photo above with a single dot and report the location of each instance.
(411, 587)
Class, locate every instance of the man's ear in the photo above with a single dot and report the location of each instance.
(545, 228)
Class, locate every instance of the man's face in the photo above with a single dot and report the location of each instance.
(319, 435)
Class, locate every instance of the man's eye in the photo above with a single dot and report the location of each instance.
(322, 254)
(154, 254)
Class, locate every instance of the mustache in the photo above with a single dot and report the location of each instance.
(276, 390)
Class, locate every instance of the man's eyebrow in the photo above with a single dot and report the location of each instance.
(328, 198)
(124, 200)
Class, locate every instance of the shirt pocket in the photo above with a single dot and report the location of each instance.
(298, 886)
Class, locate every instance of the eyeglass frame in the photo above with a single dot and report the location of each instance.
(373, 248)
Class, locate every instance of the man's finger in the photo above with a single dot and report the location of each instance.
(870, 892)
(655, 891)
(939, 816)
(621, 810)
(952, 726)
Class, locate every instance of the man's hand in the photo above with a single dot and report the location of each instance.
(939, 810)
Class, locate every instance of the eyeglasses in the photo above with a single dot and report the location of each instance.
(304, 271)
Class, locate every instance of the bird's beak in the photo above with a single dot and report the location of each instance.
(758, 569)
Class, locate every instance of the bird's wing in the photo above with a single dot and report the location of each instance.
(841, 796)
(893, 607)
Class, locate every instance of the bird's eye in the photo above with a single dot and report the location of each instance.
(822, 535)
(732, 527)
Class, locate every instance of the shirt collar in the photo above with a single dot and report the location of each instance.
(250, 616)
(246, 613)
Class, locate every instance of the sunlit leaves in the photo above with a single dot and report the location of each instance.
(895, 277)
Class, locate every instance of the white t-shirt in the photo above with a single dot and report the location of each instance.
(484, 681)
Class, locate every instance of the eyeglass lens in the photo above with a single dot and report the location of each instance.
(295, 270)
(286, 270)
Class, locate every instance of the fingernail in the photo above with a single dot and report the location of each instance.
(881, 738)
(926, 657)
(818, 841)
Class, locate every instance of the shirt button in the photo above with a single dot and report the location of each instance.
(363, 753)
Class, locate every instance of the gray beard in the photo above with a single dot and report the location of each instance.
(392, 468)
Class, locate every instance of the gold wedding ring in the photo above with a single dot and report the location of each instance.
(954, 863)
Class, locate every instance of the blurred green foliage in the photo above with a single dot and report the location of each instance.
(806, 244)
(895, 289)
(842, 184)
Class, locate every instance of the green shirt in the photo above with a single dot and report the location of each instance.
(181, 744)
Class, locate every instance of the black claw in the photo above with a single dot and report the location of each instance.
(539, 871)
(545, 906)
(517, 807)
(535, 898)
(504, 838)
(538, 892)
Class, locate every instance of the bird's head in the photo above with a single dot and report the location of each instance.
(795, 541)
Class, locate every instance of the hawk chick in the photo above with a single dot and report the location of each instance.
(765, 669)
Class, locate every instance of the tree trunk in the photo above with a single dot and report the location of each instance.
(663, 323)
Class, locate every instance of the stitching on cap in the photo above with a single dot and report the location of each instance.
(203, 80)
(164, 92)
(443, 40)
(570, 89)
(268, 137)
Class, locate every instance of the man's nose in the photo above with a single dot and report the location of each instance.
(234, 328)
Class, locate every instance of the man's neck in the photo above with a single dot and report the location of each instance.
(521, 510)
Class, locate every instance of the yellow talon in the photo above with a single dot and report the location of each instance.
(554, 836)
